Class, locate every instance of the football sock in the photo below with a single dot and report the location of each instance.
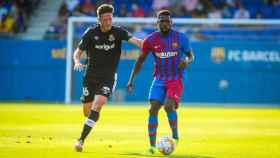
(172, 118)
(152, 129)
(89, 123)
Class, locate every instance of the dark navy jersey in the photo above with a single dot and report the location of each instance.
(103, 50)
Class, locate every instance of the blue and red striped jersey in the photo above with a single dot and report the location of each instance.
(167, 51)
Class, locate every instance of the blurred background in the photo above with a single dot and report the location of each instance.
(235, 63)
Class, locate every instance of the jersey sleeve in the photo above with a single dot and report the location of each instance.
(83, 44)
(146, 46)
(185, 44)
(125, 35)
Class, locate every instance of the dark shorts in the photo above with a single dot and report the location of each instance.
(97, 86)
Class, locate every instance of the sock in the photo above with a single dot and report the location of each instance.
(89, 123)
(172, 118)
(152, 129)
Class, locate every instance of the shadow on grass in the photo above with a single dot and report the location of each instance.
(167, 156)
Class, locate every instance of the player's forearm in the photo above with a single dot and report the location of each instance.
(77, 55)
(136, 41)
(135, 71)
(137, 67)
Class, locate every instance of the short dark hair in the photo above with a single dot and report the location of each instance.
(163, 13)
(105, 8)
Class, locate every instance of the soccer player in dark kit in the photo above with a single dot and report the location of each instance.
(172, 54)
(102, 45)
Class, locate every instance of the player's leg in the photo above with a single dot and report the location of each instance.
(91, 120)
(156, 97)
(174, 93)
(102, 92)
(153, 122)
(93, 117)
(87, 100)
(86, 108)
(171, 113)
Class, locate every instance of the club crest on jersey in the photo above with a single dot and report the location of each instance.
(175, 45)
(111, 37)
(96, 37)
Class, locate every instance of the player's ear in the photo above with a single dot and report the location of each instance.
(157, 24)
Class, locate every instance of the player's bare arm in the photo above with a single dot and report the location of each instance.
(76, 57)
(137, 67)
(188, 60)
(136, 41)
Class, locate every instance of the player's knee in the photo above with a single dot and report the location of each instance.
(155, 107)
(169, 107)
(99, 101)
(153, 111)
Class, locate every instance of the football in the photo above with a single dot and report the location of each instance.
(166, 145)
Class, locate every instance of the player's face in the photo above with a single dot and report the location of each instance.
(106, 21)
(164, 25)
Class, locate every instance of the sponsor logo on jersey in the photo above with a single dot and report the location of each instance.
(166, 54)
(111, 37)
(105, 47)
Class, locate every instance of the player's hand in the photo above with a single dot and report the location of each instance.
(129, 87)
(79, 67)
(183, 64)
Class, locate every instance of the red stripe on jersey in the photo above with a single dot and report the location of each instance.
(157, 42)
(160, 69)
(166, 68)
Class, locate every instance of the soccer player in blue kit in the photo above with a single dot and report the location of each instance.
(172, 54)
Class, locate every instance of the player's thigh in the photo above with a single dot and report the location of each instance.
(87, 97)
(88, 90)
(174, 91)
(104, 90)
(157, 91)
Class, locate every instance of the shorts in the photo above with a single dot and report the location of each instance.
(161, 89)
(97, 86)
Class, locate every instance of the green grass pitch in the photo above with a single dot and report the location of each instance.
(50, 130)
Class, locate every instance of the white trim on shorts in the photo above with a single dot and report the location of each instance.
(115, 82)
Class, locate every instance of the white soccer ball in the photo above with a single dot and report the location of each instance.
(166, 145)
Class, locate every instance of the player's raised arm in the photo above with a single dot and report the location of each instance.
(136, 41)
